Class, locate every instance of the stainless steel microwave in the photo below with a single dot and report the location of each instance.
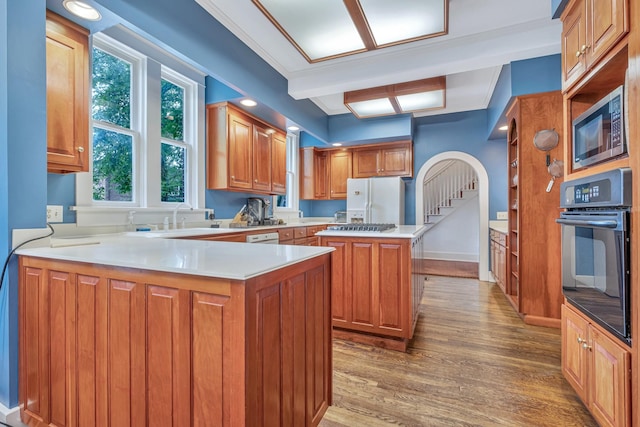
(599, 132)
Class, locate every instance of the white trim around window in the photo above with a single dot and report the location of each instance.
(150, 65)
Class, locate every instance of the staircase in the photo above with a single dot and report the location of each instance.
(448, 185)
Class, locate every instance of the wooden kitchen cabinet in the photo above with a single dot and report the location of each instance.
(598, 368)
(279, 163)
(68, 92)
(324, 173)
(261, 159)
(339, 171)
(590, 28)
(375, 296)
(393, 159)
(498, 257)
(129, 347)
(533, 279)
(240, 154)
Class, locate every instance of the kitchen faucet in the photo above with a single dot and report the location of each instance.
(175, 213)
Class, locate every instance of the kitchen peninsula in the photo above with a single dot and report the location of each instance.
(152, 331)
(376, 285)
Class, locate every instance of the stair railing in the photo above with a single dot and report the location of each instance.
(446, 182)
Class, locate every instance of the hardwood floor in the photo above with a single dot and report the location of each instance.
(472, 362)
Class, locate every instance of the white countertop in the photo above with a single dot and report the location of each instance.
(400, 232)
(224, 260)
(499, 225)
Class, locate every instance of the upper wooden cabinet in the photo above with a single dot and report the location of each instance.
(590, 28)
(394, 159)
(278, 163)
(324, 171)
(340, 163)
(67, 56)
(244, 153)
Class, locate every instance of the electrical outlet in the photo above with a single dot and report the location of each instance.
(502, 215)
(54, 213)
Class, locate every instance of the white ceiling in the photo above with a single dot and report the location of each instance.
(483, 36)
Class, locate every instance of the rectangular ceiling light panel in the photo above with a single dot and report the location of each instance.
(421, 101)
(399, 21)
(373, 107)
(318, 29)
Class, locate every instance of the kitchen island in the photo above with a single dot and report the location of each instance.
(376, 286)
(173, 332)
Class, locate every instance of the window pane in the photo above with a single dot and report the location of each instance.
(111, 95)
(112, 166)
(172, 111)
(172, 173)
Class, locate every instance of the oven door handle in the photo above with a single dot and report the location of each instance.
(589, 223)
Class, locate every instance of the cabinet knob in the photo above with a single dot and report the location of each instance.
(584, 48)
(80, 149)
(381, 170)
(578, 53)
(233, 177)
(580, 340)
(255, 180)
(586, 346)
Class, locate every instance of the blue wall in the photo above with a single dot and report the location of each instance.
(23, 194)
(348, 128)
(464, 132)
(536, 75)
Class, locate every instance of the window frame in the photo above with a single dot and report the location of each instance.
(293, 182)
(150, 64)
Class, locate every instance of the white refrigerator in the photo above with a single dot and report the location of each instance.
(375, 200)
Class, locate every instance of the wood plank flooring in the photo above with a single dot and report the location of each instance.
(472, 362)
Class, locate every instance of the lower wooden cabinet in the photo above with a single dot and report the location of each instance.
(128, 347)
(597, 367)
(499, 257)
(373, 290)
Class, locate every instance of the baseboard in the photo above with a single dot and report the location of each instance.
(11, 416)
(548, 322)
(438, 267)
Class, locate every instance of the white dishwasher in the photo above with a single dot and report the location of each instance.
(267, 238)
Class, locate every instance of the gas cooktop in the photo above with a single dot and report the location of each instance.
(362, 227)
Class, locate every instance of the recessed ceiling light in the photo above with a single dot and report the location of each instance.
(248, 103)
(505, 127)
(293, 128)
(337, 144)
(82, 9)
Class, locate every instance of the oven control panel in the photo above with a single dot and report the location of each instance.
(608, 189)
(592, 192)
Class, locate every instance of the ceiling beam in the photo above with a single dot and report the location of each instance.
(360, 21)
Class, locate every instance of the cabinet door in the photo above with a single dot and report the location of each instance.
(365, 163)
(339, 171)
(320, 166)
(573, 39)
(396, 161)
(278, 163)
(340, 285)
(261, 159)
(574, 357)
(392, 298)
(240, 152)
(609, 384)
(607, 23)
(67, 58)
(364, 311)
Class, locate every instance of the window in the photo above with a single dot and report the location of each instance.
(289, 202)
(148, 128)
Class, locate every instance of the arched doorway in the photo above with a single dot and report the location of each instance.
(483, 201)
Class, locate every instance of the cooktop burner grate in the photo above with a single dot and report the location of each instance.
(362, 227)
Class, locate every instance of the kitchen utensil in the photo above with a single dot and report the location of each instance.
(556, 170)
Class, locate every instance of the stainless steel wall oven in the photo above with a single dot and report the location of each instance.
(595, 248)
